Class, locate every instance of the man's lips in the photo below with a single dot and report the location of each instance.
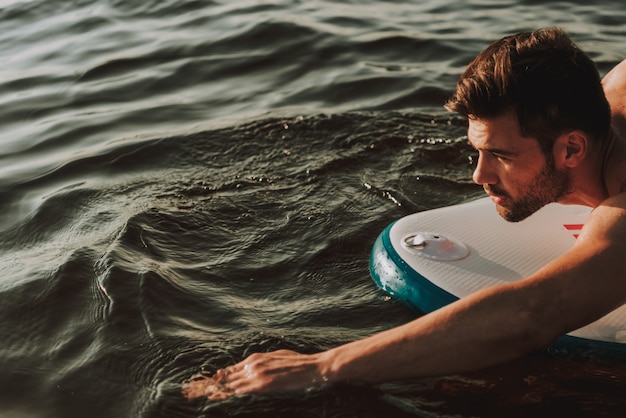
(497, 198)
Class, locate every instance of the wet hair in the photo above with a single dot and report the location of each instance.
(544, 78)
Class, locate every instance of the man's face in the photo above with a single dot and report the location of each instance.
(512, 168)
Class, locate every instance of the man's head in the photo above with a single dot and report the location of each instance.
(513, 169)
(549, 83)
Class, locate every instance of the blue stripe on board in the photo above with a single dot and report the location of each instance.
(392, 274)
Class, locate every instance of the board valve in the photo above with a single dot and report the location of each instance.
(435, 246)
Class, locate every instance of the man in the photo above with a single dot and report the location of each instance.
(539, 117)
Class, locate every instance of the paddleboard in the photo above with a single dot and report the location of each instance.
(430, 259)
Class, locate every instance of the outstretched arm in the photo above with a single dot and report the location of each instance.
(483, 329)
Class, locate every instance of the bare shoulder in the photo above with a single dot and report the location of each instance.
(614, 84)
(607, 224)
(615, 77)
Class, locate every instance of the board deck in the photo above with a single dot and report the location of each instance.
(496, 251)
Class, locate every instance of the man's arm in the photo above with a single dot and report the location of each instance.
(486, 328)
(505, 322)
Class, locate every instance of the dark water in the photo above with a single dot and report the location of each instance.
(184, 183)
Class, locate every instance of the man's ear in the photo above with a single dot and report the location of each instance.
(570, 149)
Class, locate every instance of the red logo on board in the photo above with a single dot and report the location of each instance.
(575, 228)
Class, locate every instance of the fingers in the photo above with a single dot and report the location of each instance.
(194, 387)
(278, 371)
(214, 387)
(224, 383)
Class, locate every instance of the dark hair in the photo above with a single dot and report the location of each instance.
(549, 82)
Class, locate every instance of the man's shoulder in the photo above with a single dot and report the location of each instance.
(608, 220)
(617, 200)
(614, 84)
(615, 77)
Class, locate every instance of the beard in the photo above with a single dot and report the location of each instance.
(549, 186)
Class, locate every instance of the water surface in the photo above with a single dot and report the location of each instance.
(185, 183)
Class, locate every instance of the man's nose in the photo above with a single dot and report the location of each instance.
(484, 173)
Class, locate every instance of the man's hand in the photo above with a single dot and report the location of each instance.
(276, 372)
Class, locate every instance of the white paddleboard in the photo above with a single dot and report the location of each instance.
(432, 258)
